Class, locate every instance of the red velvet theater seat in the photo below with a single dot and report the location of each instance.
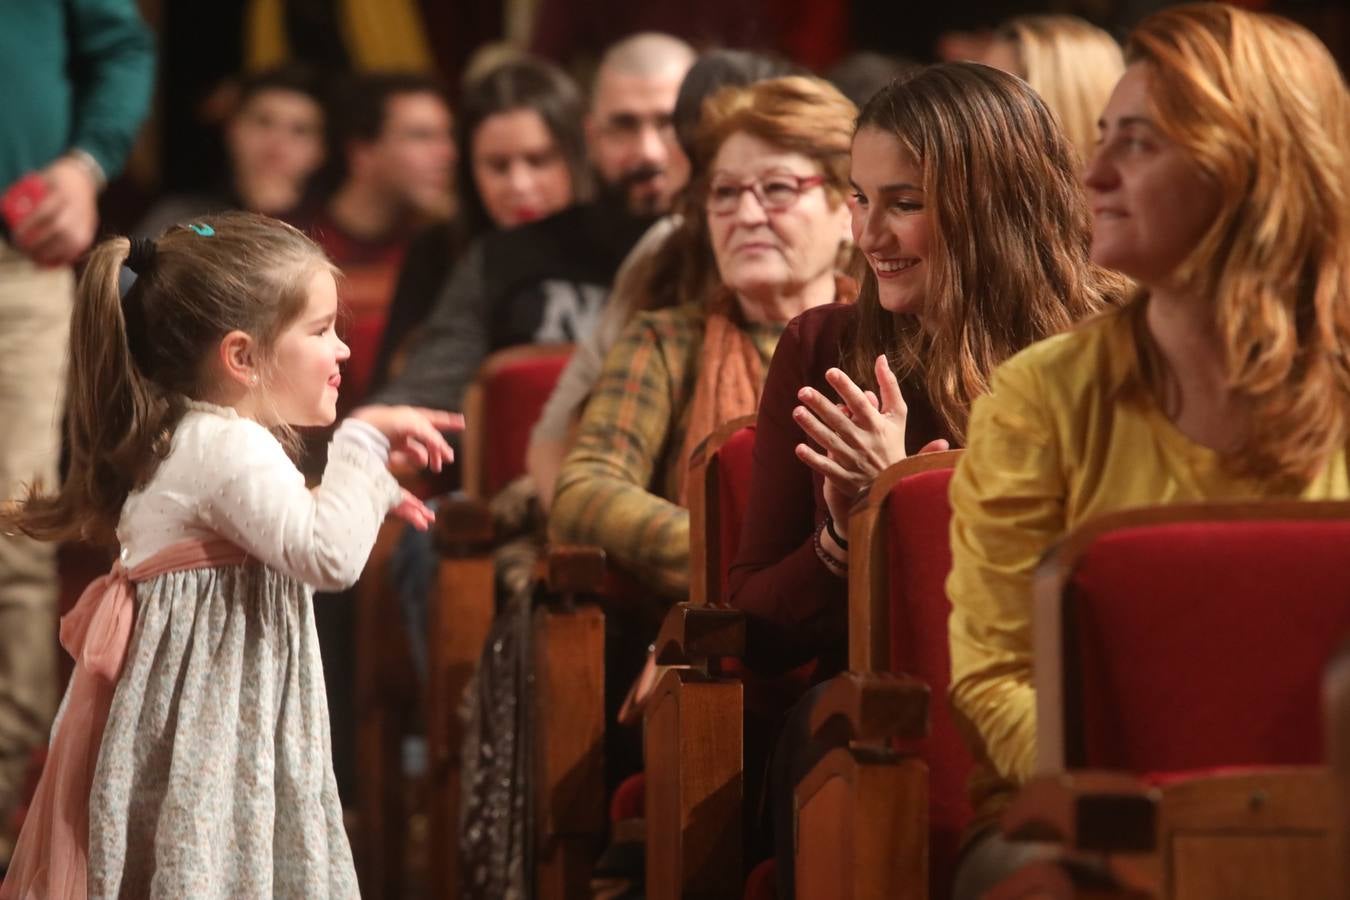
(883, 813)
(500, 410)
(629, 800)
(1194, 637)
(919, 558)
(735, 462)
(762, 883)
(1184, 647)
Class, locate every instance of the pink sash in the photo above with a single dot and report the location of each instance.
(51, 858)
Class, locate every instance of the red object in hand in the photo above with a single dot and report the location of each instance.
(22, 198)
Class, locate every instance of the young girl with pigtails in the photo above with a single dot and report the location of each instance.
(191, 755)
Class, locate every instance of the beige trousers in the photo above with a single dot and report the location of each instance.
(35, 306)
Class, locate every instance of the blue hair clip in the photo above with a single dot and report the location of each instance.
(203, 230)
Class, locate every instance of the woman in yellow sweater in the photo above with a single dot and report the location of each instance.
(1221, 184)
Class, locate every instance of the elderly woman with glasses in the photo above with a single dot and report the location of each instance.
(772, 202)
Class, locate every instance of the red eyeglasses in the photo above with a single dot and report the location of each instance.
(775, 193)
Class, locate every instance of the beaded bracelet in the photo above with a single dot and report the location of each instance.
(829, 526)
(837, 567)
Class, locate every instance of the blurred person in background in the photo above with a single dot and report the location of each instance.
(78, 78)
(629, 127)
(661, 267)
(391, 140)
(522, 158)
(1072, 64)
(860, 75)
(546, 282)
(275, 144)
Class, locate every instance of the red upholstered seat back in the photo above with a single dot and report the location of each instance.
(514, 394)
(734, 462)
(735, 466)
(762, 882)
(630, 799)
(919, 558)
(1202, 644)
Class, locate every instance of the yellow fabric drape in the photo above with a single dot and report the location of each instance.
(264, 35)
(380, 35)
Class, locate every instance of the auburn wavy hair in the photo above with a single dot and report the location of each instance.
(1260, 106)
(1008, 258)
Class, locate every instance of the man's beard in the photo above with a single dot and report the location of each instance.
(642, 205)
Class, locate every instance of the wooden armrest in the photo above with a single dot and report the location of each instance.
(691, 634)
(463, 527)
(1098, 812)
(871, 706)
(574, 569)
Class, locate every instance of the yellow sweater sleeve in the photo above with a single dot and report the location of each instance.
(1008, 506)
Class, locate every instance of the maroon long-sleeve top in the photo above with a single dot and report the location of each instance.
(796, 608)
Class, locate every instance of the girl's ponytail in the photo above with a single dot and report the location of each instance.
(134, 359)
(118, 421)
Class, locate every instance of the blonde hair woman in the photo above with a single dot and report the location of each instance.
(1220, 185)
(1072, 64)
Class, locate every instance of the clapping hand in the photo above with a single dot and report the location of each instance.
(861, 436)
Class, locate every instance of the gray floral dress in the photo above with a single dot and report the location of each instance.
(214, 777)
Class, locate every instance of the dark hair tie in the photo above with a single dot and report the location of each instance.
(142, 255)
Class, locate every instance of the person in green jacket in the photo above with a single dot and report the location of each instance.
(77, 78)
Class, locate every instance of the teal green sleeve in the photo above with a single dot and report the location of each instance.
(112, 62)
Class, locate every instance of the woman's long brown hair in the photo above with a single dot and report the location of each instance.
(134, 360)
(1008, 259)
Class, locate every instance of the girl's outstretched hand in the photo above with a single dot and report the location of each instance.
(414, 433)
(414, 512)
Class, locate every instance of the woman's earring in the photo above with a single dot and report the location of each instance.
(253, 380)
